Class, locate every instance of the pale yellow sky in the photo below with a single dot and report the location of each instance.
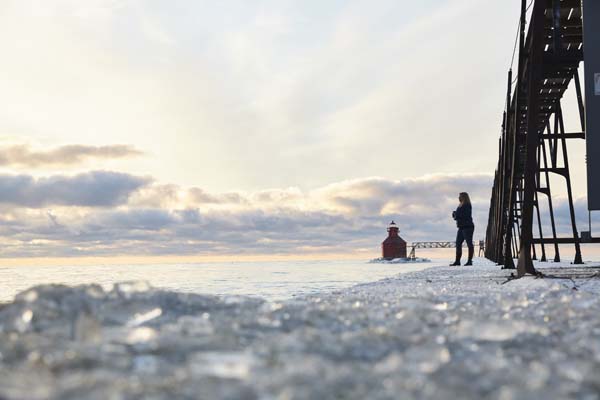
(250, 96)
(134, 128)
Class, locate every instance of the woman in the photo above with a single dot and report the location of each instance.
(464, 222)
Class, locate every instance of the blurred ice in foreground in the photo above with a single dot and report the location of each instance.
(440, 333)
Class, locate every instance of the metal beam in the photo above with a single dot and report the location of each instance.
(536, 54)
(563, 240)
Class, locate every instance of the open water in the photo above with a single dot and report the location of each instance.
(273, 280)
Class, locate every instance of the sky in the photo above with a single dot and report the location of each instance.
(247, 127)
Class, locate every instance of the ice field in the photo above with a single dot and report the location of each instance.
(444, 332)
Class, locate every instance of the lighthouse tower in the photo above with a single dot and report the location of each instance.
(393, 246)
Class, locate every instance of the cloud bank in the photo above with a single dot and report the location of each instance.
(90, 189)
(102, 213)
(24, 156)
(112, 214)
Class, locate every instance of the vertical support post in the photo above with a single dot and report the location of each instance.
(515, 249)
(537, 205)
(508, 243)
(591, 49)
(554, 143)
(580, 102)
(525, 264)
(502, 220)
(550, 205)
(537, 208)
(578, 259)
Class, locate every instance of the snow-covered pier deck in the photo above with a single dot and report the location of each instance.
(445, 332)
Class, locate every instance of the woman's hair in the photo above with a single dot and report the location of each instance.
(464, 198)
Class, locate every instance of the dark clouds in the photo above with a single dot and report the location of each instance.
(23, 155)
(373, 196)
(342, 217)
(91, 189)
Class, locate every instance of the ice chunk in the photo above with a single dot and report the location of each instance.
(143, 317)
(140, 335)
(234, 365)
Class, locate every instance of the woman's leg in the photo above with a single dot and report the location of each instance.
(460, 238)
(468, 234)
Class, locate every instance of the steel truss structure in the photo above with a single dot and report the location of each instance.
(533, 144)
(438, 245)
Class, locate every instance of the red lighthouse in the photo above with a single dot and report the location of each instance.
(393, 246)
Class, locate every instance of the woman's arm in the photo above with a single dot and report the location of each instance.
(461, 213)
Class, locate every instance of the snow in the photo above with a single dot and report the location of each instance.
(399, 260)
(445, 332)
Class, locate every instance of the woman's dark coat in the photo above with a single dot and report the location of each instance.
(463, 217)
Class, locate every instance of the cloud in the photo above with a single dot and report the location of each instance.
(385, 196)
(341, 217)
(202, 197)
(23, 155)
(91, 189)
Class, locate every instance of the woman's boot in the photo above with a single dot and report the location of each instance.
(470, 260)
(458, 256)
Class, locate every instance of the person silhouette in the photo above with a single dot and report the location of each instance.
(464, 222)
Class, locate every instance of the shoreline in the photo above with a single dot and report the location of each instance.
(270, 280)
(443, 332)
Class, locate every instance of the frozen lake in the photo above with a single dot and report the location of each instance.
(271, 280)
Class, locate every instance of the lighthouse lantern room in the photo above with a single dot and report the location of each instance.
(393, 246)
